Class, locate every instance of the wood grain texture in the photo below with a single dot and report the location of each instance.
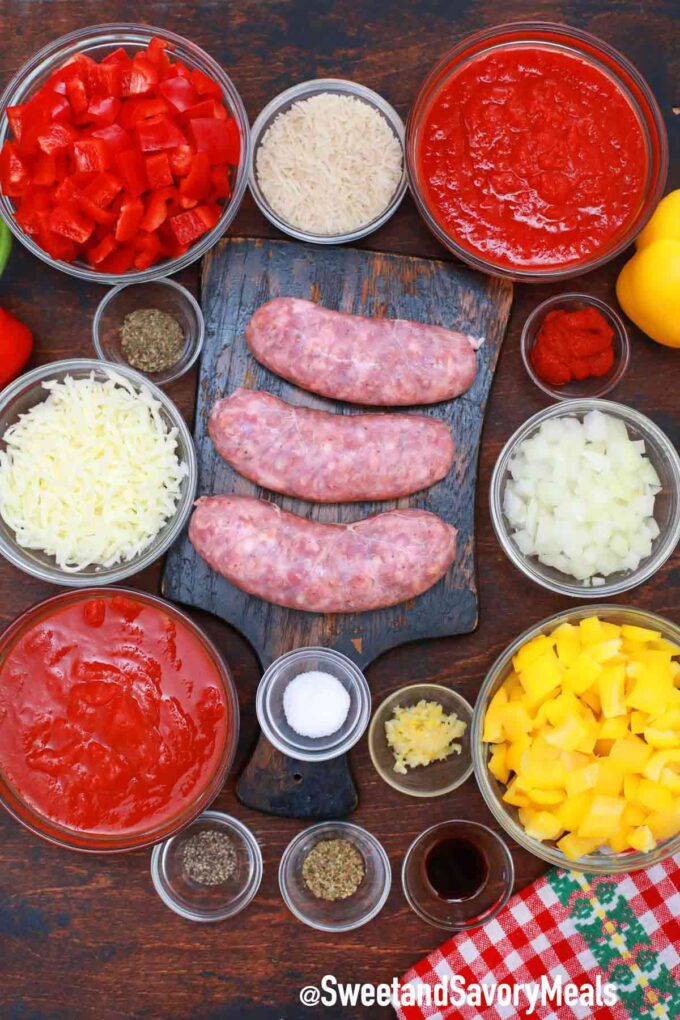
(85, 937)
(238, 277)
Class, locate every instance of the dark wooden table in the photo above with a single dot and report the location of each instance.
(88, 937)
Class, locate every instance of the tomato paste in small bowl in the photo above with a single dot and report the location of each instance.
(535, 151)
(119, 720)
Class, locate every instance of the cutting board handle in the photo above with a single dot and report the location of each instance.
(279, 785)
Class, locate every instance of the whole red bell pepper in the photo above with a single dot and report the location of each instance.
(16, 344)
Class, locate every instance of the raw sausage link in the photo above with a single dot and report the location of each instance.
(322, 568)
(329, 458)
(383, 362)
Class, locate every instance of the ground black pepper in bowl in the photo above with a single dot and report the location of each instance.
(209, 857)
(151, 340)
(333, 869)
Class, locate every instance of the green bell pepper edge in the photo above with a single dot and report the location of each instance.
(5, 245)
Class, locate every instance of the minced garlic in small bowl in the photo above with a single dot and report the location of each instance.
(328, 161)
(419, 740)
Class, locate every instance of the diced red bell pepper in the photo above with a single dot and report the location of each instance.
(129, 221)
(179, 92)
(188, 226)
(148, 248)
(57, 138)
(115, 138)
(102, 111)
(158, 172)
(119, 261)
(68, 221)
(16, 115)
(159, 133)
(54, 107)
(90, 154)
(219, 138)
(196, 184)
(100, 251)
(157, 208)
(221, 180)
(141, 108)
(14, 171)
(95, 212)
(181, 160)
(45, 170)
(103, 189)
(34, 201)
(141, 78)
(155, 51)
(77, 96)
(130, 167)
(56, 246)
(204, 85)
(207, 108)
(119, 56)
(104, 80)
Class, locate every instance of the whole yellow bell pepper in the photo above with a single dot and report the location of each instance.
(648, 287)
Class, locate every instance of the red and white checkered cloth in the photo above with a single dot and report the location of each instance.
(623, 930)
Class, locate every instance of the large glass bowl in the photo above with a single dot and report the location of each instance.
(594, 51)
(97, 41)
(492, 790)
(662, 454)
(27, 391)
(74, 839)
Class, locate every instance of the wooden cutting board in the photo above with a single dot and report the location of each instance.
(238, 276)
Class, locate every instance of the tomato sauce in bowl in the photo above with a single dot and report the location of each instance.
(533, 151)
(118, 719)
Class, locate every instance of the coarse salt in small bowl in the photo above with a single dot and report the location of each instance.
(281, 104)
(272, 717)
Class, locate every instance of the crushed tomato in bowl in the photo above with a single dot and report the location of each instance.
(121, 163)
(573, 345)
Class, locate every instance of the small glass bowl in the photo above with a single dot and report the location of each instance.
(198, 902)
(282, 103)
(593, 387)
(339, 915)
(470, 911)
(425, 780)
(662, 454)
(97, 41)
(27, 391)
(269, 704)
(598, 863)
(165, 295)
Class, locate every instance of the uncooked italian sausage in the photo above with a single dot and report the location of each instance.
(383, 362)
(322, 568)
(329, 458)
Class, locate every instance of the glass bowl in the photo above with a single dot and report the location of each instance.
(588, 48)
(167, 296)
(27, 391)
(425, 780)
(593, 387)
(96, 842)
(98, 41)
(664, 457)
(485, 899)
(339, 915)
(199, 902)
(282, 103)
(599, 863)
(269, 704)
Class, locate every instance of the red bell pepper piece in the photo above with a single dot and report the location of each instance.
(77, 96)
(130, 167)
(98, 252)
(129, 221)
(90, 154)
(14, 171)
(57, 138)
(196, 184)
(157, 209)
(53, 106)
(95, 212)
(34, 201)
(219, 138)
(119, 56)
(16, 115)
(149, 249)
(104, 80)
(179, 92)
(140, 108)
(155, 52)
(159, 133)
(56, 246)
(45, 170)
(158, 172)
(68, 221)
(102, 111)
(119, 261)
(188, 226)
(221, 180)
(16, 344)
(207, 108)
(103, 189)
(204, 85)
(114, 137)
(181, 160)
(141, 78)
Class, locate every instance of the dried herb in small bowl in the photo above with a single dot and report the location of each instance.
(151, 340)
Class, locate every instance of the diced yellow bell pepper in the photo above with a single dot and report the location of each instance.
(498, 765)
(591, 699)
(609, 778)
(590, 630)
(671, 780)
(631, 753)
(604, 651)
(631, 785)
(547, 798)
(568, 643)
(531, 651)
(638, 721)
(659, 761)
(514, 796)
(543, 825)
(557, 710)
(515, 720)
(570, 736)
(515, 751)
(642, 634)
(603, 818)
(545, 776)
(574, 809)
(662, 739)
(611, 685)
(493, 727)
(581, 674)
(540, 678)
(587, 744)
(614, 729)
(665, 825)
(634, 815)
(618, 841)
(573, 847)
(582, 779)
(654, 796)
(642, 839)
(651, 691)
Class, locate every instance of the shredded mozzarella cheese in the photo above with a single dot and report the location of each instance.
(91, 474)
(329, 165)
